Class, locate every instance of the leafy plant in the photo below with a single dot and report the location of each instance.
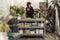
(22, 10)
(4, 27)
(14, 10)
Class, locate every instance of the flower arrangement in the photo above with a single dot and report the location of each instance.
(15, 10)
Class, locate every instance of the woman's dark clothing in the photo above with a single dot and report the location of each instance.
(13, 24)
(29, 13)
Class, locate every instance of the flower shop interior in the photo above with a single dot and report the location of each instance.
(29, 20)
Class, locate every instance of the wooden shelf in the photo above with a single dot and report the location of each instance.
(32, 27)
(32, 35)
(31, 21)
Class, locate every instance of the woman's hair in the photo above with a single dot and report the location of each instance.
(28, 3)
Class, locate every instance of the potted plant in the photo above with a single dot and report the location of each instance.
(13, 10)
(20, 11)
(17, 11)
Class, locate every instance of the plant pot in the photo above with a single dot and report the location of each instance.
(19, 17)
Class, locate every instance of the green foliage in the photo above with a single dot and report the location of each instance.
(14, 10)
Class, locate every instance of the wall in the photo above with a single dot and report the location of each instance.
(35, 3)
(5, 7)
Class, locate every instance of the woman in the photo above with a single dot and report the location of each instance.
(29, 10)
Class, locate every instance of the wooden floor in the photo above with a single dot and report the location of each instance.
(48, 36)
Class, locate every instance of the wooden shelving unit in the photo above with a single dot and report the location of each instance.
(32, 27)
(32, 21)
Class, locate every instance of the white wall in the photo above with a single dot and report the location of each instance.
(35, 3)
(5, 6)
